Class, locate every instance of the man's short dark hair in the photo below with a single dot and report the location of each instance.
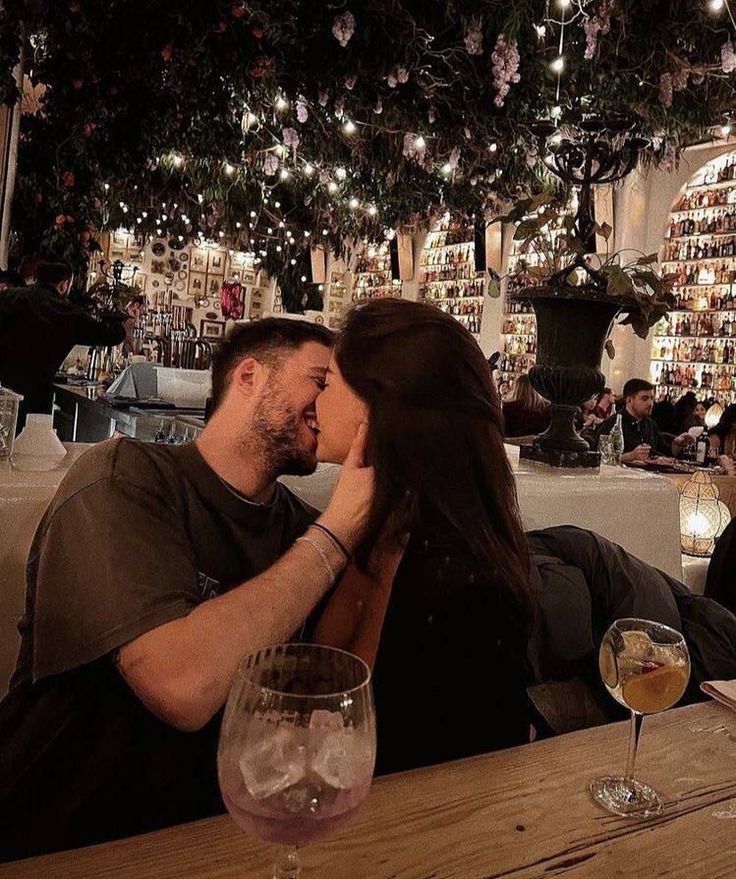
(11, 278)
(634, 385)
(53, 272)
(266, 340)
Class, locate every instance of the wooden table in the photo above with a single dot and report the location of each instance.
(520, 813)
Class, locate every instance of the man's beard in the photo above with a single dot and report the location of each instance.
(276, 430)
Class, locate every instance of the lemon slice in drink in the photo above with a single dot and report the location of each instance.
(607, 665)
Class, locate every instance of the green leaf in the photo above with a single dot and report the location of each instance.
(494, 288)
(604, 231)
(610, 350)
(619, 283)
(648, 260)
(526, 228)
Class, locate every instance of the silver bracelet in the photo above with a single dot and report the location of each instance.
(321, 553)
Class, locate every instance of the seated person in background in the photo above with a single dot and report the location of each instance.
(722, 437)
(526, 413)
(155, 569)
(642, 438)
(684, 410)
(447, 613)
(663, 413)
(697, 419)
(604, 405)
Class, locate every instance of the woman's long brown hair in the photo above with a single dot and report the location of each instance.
(435, 433)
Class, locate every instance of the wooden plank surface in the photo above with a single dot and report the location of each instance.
(523, 813)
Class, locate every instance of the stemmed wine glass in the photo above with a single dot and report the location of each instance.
(297, 745)
(646, 667)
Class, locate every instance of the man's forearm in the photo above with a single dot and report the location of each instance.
(182, 671)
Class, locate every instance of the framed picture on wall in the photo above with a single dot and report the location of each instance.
(140, 281)
(198, 262)
(212, 329)
(197, 284)
(216, 262)
(213, 285)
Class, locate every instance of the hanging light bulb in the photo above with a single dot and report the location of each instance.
(332, 186)
(341, 173)
(228, 168)
(716, 5)
(564, 4)
(284, 174)
(354, 203)
(558, 65)
(419, 143)
(281, 103)
(309, 169)
(372, 210)
(447, 169)
(350, 127)
(177, 161)
(304, 278)
(493, 147)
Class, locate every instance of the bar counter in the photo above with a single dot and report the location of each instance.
(524, 813)
(81, 415)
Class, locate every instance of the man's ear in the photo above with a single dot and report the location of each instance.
(249, 376)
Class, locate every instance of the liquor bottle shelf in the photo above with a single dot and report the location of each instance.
(730, 234)
(705, 208)
(694, 262)
(680, 362)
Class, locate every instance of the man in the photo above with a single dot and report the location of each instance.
(154, 571)
(38, 328)
(642, 438)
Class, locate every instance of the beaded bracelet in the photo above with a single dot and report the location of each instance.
(338, 543)
(321, 553)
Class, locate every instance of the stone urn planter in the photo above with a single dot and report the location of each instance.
(573, 323)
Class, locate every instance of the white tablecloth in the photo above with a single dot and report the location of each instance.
(638, 510)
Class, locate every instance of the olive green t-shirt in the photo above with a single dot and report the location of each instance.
(137, 535)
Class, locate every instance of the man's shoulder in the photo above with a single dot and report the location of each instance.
(146, 466)
(607, 423)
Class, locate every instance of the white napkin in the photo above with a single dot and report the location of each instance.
(723, 691)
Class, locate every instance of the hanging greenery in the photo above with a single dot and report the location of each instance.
(280, 123)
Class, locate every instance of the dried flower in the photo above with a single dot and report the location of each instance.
(474, 39)
(167, 53)
(350, 82)
(454, 159)
(595, 26)
(679, 79)
(302, 113)
(505, 67)
(270, 165)
(291, 137)
(728, 58)
(324, 97)
(68, 179)
(343, 27)
(665, 89)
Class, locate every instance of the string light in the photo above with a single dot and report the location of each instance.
(493, 147)
(341, 173)
(447, 169)
(332, 186)
(419, 143)
(281, 103)
(284, 174)
(304, 278)
(716, 5)
(354, 203)
(564, 4)
(556, 112)
(239, 224)
(229, 169)
(309, 169)
(372, 210)
(177, 161)
(350, 127)
(558, 65)
(107, 187)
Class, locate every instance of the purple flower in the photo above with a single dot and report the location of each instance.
(474, 40)
(302, 113)
(270, 165)
(454, 159)
(291, 137)
(505, 67)
(343, 27)
(595, 26)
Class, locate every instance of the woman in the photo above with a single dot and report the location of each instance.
(684, 411)
(697, 419)
(526, 413)
(451, 605)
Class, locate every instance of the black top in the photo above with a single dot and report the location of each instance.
(38, 328)
(720, 583)
(636, 432)
(450, 675)
(137, 535)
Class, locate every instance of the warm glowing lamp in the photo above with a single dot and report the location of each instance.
(713, 415)
(703, 517)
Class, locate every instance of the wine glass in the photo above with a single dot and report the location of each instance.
(646, 667)
(297, 745)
